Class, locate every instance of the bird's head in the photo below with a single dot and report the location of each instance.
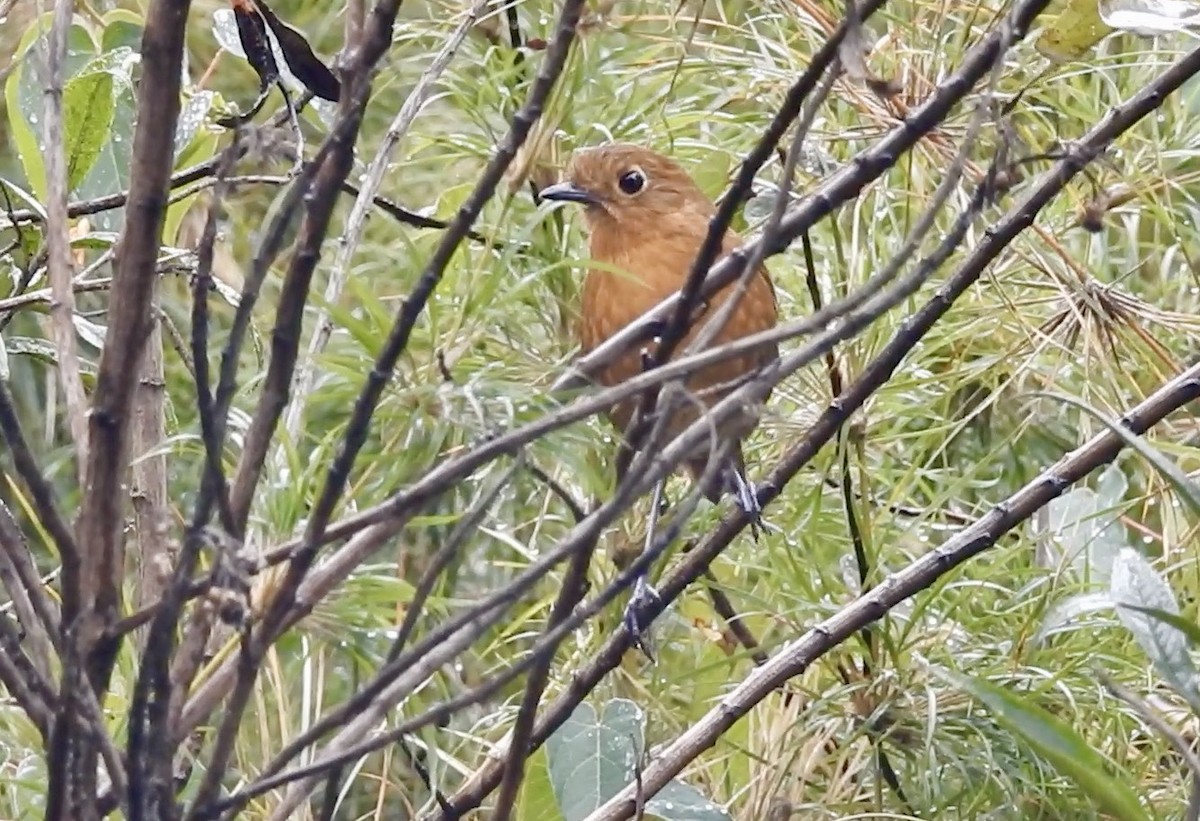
(628, 185)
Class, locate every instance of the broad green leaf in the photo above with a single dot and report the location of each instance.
(1062, 614)
(87, 120)
(89, 331)
(122, 29)
(591, 757)
(537, 802)
(1136, 582)
(191, 117)
(678, 801)
(23, 197)
(1185, 625)
(1081, 528)
(1059, 744)
(1073, 32)
(193, 144)
(111, 170)
(24, 96)
(712, 175)
(96, 240)
(39, 349)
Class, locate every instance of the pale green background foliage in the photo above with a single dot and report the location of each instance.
(962, 425)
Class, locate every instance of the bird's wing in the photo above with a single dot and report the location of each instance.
(733, 241)
(760, 305)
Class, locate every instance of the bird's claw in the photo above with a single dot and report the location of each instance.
(637, 618)
(746, 496)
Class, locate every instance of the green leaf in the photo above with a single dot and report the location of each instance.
(537, 801)
(89, 331)
(591, 757)
(96, 240)
(1135, 582)
(1060, 745)
(111, 169)
(122, 29)
(1188, 490)
(678, 801)
(1185, 625)
(87, 120)
(24, 96)
(191, 116)
(193, 144)
(1061, 616)
(1073, 32)
(1149, 17)
(1081, 527)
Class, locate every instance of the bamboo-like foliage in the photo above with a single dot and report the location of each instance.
(307, 511)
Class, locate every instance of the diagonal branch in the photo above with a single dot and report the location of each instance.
(1019, 217)
(795, 658)
(356, 222)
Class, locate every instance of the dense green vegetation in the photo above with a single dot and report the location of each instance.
(1095, 305)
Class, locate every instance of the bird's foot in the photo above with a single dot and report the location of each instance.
(662, 504)
(746, 496)
(647, 359)
(638, 618)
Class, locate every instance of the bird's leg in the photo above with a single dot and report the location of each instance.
(746, 496)
(644, 595)
(647, 359)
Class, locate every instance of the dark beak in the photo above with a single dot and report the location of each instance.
(568, 192)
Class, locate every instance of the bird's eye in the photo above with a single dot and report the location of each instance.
(632, 181)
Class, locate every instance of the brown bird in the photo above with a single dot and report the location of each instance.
(646, 220)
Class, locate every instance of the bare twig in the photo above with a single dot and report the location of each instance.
(44, 295)
(695, 288)
(151, 516)
(336, 159)
(280, 611)
(733, 619)
(356, 222)
(198, 178)
(404, 673)
(91, 599)
(843, 186)
(45, 503)
(795, 658)
(22, 680)
(35, 612)
(130, 317)
(1019, 217)
(62, 308)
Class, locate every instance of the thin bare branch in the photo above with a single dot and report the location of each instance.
(356, 221)
(91, 599)
(796, 657)
(35, 612)
(62, 308)
(1019, 217)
